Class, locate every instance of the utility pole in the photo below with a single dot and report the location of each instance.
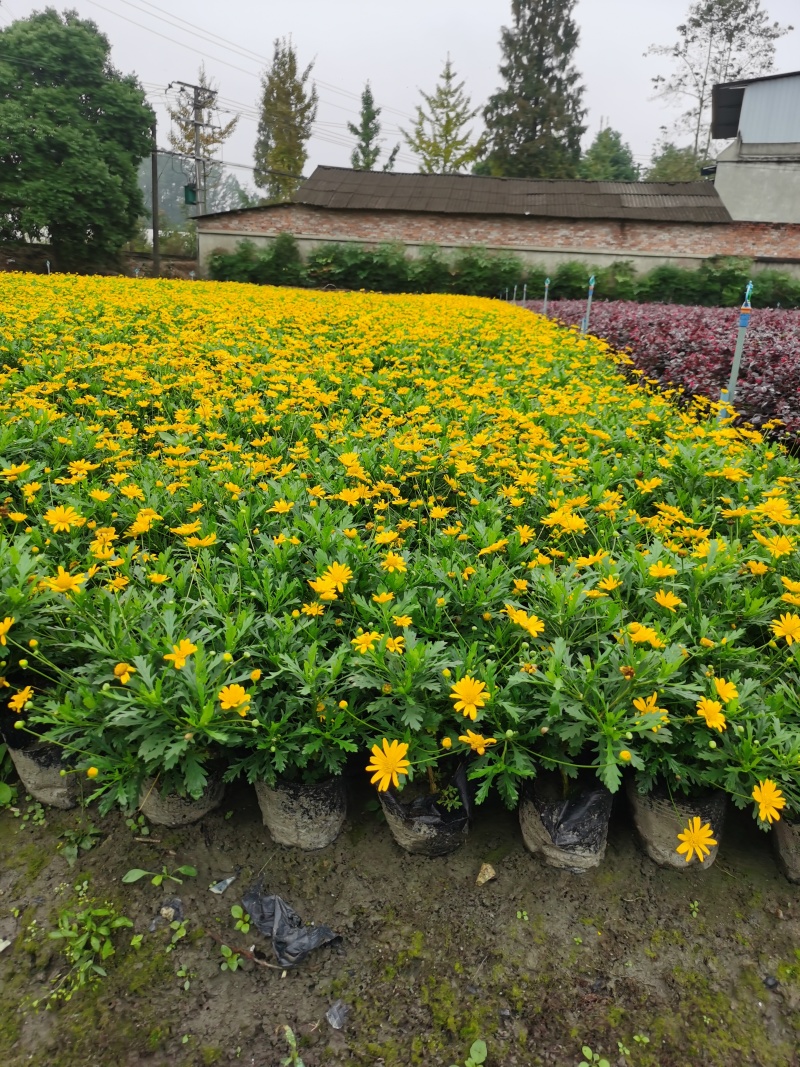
(201, 98)
(155, 208)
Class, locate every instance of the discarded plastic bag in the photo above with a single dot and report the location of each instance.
(274, 918)
(425, 828)
(568, 832)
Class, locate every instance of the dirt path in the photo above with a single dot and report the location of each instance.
(537, 962)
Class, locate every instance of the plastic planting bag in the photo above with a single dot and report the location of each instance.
(274, 918)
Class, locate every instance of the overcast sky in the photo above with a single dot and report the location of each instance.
(399, 46)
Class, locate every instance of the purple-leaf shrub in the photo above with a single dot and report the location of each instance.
(692, 348)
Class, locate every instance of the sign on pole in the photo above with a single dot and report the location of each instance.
(585, 320)
(546, 293)
(728, 395)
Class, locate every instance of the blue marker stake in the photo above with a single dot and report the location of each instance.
(727, 395)
(585, 321)
(546, 293)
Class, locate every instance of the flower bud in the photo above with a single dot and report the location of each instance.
(712, 744)
(23, 663)
(272, 748)
(33, 643)
(544, 730)
(105, 687)
(629, 736)
(510, 734)
(227, 657)
(19, 724)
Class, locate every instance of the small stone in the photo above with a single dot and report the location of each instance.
(487, 873)
(770, 982)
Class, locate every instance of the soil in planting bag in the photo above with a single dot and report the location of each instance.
(785, 836)
(39, 765)
(569, 832)
(275, 919)
(423, 827)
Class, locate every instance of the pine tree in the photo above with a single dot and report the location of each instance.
(367, 151)
(288, 110)
(534, 122)
(672, 164)
(721, 41)
(608, 159)
(441, 137)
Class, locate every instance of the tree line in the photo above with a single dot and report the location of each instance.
(74, 130)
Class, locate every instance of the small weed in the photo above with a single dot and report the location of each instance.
(33, 815)
(186, 975)
(694, 908)
(243, 920)
(641, 1039)
(178, 929)
(232, 961)
(138, 826)
(477, 1055)
(590, 1058)
(135, 874)
(73, 842)
(523, 915)
(578, 940)
(136, 941)
(623, 1048)
(449, 798)
(293, 1059)
(87, 935)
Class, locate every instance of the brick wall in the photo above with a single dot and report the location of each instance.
(542, 239)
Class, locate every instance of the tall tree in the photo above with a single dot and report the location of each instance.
(672, 164)
(367, 151)
(608, 159)
(441, 136)
(534, 123)
(72, 132)
(288, 110)
(721, 41)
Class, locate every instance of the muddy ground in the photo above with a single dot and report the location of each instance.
(650, 968)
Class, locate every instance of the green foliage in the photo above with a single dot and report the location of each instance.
(135, 874)
(87, 935)
(231, 961)
(441, 136)
(719, 282)
(590, 1058)
(367, 151)
(608, 159)
(672, 164)
(477, 1055)
(534, 122)
(72, 132)
(293, 1059)
(288, 109)
(243, 920)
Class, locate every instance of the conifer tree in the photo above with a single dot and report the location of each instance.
(288, 110)
(534, 122)
(608, 159)
(367, 151)
(441, 136)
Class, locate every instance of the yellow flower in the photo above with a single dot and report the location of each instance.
(469, 695)
(498, 546)
(234, 696)
(123, 671)
(520, 585)
(447, 742)
(625, 756)
(314, 608)
(395, 644)
(337, 575)
(186, 529)
(769, 799)
(180, 653)
(350, 532)
(62, 519)
(92, 772)
(726, 691)
(17, 516)
(387, 764)
(476, 742)
(787, 626)
(402, 620)
(383, 598)
(711, 711)
(116, 585)
(610, 583)
(393, 562)
(255, 675)
(5, 626)
(386, 537)
(364, 642)
(707, 642)
(100, 495)
(648, 705)
(667, 600)
(793, 587)
(324, 588)
(64, 582)
(281, 507)
(157, 579)
(20, 699)
(755, 566)
(641, 635)
(201, 542)
(662, 570)
(777, 545)
(696, 838)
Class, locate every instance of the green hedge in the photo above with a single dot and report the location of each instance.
(477, 271)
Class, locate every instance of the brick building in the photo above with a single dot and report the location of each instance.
(543, 222)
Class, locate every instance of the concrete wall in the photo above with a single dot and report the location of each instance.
(541, 240)
(760, 190)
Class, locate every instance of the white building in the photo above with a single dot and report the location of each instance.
(758, 175)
